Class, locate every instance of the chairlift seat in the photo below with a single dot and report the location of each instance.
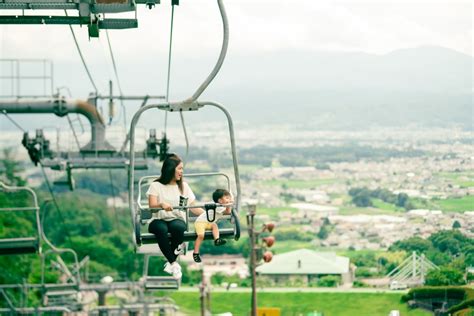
(148, 238)
(161, 283)
(13, 246)
(144, 214)
(60, 287)
(61, 293)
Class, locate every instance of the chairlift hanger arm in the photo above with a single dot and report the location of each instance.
(129, 97)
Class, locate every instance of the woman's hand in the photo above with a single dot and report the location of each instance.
(167, 207)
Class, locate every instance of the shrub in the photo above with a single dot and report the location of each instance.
(358, 284)
(451, 292)
(365, 272)
(329, 281)
(445, 276)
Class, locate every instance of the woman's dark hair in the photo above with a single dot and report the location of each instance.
(168, 171)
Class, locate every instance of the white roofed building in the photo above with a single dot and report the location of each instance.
(307, 266)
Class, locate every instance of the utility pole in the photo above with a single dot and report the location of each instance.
(256, 251)
(253, 260)
(205, 296)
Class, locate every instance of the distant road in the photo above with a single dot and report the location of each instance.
(302, 290)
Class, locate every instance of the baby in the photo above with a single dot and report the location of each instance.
(220, 196)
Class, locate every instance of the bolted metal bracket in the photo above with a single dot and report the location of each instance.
(38, 147)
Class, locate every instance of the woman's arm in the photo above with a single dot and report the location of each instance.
(154, 203)
(197, 210)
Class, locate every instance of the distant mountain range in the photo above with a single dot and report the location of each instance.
(420, 87)
(428, 86)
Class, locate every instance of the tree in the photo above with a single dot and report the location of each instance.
(9, 168)
(444, 276)
(456, 225)
(323, 232)
(402, 199)
(362, 200)
(411, 244)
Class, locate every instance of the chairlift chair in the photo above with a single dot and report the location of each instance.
(145, 214)
(141, 213)
(21, 245)
(153, 283)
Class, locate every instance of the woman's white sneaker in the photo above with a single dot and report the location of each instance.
(168, 268)
(176, 270)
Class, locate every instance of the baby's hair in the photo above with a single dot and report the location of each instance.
(219, 193)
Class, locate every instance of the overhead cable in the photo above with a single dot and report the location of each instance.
(220, 61)
(169, 65)
(117, 79)
(73, 132)
(113, 199)
(50, 189)
(13, 121)
(181, 115)
(82, 58)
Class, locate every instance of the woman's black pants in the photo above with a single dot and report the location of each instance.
(160, 229)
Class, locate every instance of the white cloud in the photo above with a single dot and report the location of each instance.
(260, 26)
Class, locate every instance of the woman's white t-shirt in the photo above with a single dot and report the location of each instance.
(169, 193)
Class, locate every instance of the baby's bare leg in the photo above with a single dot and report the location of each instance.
(215, 231)
(197, 243)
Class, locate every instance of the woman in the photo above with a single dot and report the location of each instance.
(165, 192)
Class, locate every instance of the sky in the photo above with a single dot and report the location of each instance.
(257, 29)
(265, 26)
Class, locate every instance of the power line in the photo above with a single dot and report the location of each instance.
(113, 199)
(82, 58)
(117, 79)
(55, 201)
(73, 132)
(181, 115)
(169, 64)
(13, 121)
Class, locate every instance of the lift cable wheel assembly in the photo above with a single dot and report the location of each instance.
(89, 13)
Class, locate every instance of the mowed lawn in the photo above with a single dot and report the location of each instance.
(465, 203)
(331, 304)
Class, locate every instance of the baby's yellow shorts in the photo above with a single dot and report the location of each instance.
(201, 227)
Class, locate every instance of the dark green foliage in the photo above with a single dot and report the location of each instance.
(364, 272)
(449, 292)
(106, 182)
(445, 276)
(449, 249)
(323, 232)
(465, 304)
(329, 281)
(359, 284)
(292, 233)
(232, 247)
(361, 197)
(9, 168)
(411, 244)
(451, 241)
(323, 166)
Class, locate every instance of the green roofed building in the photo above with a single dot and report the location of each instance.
(306, 267)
